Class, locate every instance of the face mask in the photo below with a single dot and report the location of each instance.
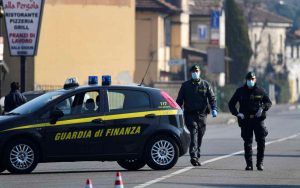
(195, 75)
(250, 83)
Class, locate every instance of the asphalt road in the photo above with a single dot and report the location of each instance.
(222, 157)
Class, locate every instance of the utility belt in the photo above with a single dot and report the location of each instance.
(253, 116)
(197, 112)
(250, 116)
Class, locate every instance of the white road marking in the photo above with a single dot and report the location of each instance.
(209, 161)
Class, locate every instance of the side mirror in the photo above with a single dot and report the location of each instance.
(55, 115)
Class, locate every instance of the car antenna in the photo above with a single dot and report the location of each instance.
(150, 61)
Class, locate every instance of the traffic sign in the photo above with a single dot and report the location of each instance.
(176, 62)
(22, 18)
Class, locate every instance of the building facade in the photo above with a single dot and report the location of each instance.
(162, 29)
(77, 39)
(207, 35)
(267, 33)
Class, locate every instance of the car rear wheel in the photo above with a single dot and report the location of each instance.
(132, 164)
(162, 153)
(21, 157)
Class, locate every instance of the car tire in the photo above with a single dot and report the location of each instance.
(21, 156)
(132, 164)
(162, 153)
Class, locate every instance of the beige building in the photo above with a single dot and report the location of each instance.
(162, 30)
(207, 28)
(81, 38)
(267, 33)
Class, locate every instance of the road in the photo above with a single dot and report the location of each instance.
(222, 157)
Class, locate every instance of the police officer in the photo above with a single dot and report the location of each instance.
(195, 95)
(14, 99)
(253, 104)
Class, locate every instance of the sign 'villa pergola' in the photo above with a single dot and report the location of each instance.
(22, 18)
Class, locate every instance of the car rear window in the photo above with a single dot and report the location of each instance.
(127, 100)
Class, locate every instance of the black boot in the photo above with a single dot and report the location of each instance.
(260, 166)
(249, 165)
(195, 162)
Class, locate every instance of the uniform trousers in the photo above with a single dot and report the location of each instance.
(248, 127)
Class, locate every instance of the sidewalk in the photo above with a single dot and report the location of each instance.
(228, 118)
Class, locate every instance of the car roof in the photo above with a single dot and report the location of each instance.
(112, 86)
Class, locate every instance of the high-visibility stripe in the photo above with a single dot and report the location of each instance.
(105, 117)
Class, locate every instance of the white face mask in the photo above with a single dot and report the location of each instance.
(250, 83)
(195, 75)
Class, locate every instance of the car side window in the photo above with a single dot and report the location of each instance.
(127, 100)
(91, 103)
(65, 106)
(81, 103)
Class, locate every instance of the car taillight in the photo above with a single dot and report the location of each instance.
(169, 100)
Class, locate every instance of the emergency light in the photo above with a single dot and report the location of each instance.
(70, 83)
(106, 80)
(93, 80)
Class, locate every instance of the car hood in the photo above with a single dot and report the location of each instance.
(9, 121)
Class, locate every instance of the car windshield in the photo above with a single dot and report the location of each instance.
(36, 103)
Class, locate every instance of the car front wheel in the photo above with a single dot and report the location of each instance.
(2, 168)
(162, 153)
(21, 157)
(132, 164)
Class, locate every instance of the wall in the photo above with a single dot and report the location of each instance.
(82, 38)
(150, 47)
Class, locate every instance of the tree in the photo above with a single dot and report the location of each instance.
(237, 42)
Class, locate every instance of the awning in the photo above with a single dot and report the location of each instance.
(199, 53)
(4, 66)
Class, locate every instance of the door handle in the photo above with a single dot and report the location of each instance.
(98, 121)
(150, 116)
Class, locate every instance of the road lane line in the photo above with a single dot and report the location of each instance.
(209, 161)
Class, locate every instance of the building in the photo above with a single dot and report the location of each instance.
(267, 33)
(207, 37)
(292, 59)
(161, 32)
(77, 39)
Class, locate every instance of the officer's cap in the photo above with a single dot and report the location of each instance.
(250, 75)
(194, 68)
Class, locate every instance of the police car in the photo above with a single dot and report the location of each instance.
(132, 125)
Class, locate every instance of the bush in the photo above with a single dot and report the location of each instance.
(282, 89)
(224, 94)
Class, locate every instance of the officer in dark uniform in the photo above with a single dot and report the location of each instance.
(195, 95)
(14, 99)
(253, 102)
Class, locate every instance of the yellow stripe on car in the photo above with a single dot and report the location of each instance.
(105, 117)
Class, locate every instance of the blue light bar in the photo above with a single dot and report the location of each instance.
(106, 80)
(93, 80)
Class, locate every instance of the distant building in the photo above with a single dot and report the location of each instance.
(267, 33)
(162, 31)
(207, 28)
(292, 58)
(153, 39)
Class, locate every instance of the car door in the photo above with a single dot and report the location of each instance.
(75, 134)
(126, 119)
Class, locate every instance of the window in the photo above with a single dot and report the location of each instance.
(127, 100)
(167, 31)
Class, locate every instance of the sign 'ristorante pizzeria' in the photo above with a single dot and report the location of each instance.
(22, 19)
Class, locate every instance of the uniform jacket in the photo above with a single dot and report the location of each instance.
(13, 100)
(250, 100)
(195, 96)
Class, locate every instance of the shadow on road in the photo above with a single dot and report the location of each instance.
(229, 185)
(74, 172)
